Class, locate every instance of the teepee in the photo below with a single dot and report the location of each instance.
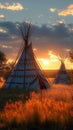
(26, 73)
(62, 76)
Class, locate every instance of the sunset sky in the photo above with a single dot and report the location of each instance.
(52, 29)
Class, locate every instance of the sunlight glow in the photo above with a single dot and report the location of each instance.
(10, 60)
(51, 62)
(53, 57)
(43, 62)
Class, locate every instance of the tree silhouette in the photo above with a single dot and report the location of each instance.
(2, 59)
(71, 55)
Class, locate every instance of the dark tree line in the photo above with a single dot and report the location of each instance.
(71, 55)
(2, 59)
(5, 69)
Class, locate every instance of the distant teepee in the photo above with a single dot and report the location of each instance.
(26, 73)
(62, 76)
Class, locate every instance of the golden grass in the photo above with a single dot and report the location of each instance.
(55, 104)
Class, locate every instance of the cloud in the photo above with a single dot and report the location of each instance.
(10, 27)
(60, 21)
(2, 30)
(67, 49)
(56, 37)
(8, 31)
(34, 49)
(52, 10)
(68, 11)
(56, 31)
(14, 6)
(5, 46)
(2, 16)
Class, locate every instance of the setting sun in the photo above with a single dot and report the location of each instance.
(44, 63)
(51, 62)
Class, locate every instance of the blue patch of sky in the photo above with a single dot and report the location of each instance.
(34, 8)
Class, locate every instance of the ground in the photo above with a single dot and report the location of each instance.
(50, 109)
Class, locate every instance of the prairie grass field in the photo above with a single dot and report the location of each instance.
(50, 109)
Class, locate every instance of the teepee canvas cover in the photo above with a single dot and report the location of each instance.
(27, 74)
(62, 76)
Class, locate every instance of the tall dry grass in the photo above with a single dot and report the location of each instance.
(54, 106)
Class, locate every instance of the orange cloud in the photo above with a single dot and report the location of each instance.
(34, 49)
(70, 6)
(14, 6)
(4, 46)
(68, 11)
